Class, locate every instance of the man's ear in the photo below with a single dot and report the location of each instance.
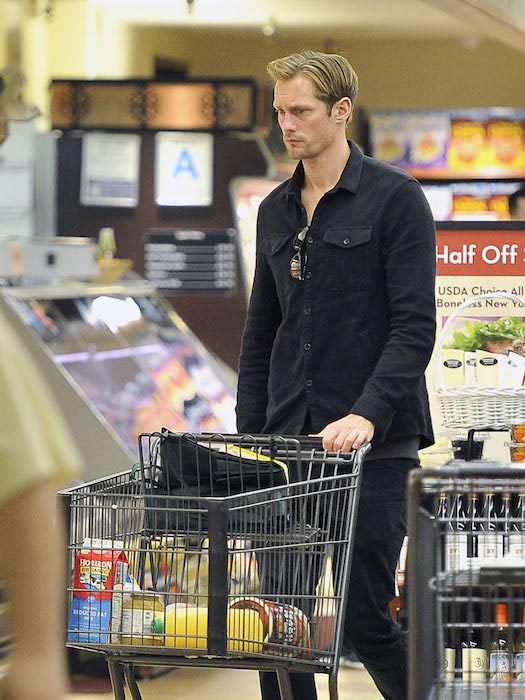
(343, 109)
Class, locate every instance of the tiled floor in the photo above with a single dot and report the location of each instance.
(220, 684)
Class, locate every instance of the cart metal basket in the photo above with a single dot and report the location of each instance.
(217, 551)
(466, 582)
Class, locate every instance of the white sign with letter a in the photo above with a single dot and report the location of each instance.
(183, 169)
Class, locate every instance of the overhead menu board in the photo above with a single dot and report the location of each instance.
(182, 261)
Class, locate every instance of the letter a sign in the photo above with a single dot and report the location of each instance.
(183, 169)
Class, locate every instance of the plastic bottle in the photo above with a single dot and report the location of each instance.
(186, 627)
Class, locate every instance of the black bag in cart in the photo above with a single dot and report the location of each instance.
(195, 468)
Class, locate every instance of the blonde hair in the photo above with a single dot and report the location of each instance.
(332, 75)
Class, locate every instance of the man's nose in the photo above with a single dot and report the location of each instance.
(288, 123)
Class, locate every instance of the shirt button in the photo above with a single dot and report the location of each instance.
(307, 311)
(309, 239)
(308, 275)
(307, 346)
(308, 382)
(346, 241)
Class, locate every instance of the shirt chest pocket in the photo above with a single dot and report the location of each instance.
(278, 251)
(347, 257)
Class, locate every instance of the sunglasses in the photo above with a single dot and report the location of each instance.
(298, 260)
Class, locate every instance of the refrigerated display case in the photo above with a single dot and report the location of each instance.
(121, 362)
(246, 194)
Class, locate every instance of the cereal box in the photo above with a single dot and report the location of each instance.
(467, 149)
(505, 138)
(389, 137)
(429, 135)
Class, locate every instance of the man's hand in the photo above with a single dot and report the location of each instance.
(347, 433)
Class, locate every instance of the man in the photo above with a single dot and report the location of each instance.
(340, 329)
(517, 205)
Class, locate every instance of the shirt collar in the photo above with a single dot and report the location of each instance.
(349, 179)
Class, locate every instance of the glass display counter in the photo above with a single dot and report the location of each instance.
(121, 362)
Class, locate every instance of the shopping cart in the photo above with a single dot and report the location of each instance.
(215, 550)
(466, 569)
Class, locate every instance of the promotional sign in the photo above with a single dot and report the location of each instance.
(183, 169)
(110, 170)
(484, 342)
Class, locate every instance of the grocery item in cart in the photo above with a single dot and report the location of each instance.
(193, 468)
(180, 566)
(99, 565)
(253, 625)
(189, 467)
(284, 624)
(186, 626)
(140, 613)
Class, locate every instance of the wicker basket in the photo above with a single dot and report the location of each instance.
(472, 406)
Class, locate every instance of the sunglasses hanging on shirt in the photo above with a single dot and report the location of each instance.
(298, 259)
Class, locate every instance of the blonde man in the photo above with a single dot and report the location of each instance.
(340, 329)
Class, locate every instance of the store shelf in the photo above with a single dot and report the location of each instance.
(486, 173)
(479, 691)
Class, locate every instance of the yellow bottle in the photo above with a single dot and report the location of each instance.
(186, 627)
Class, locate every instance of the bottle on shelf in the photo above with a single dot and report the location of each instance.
(517, 533)
(106, 244)
(473, 653)
(500, 652)
(505, 522)
(441, 517)
(473, 525)
(490, 543)
(456, 537)
(519, 651)
(451, 652)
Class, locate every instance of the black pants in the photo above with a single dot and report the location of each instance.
(378, 641)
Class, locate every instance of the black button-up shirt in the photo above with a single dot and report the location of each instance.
(355, 334)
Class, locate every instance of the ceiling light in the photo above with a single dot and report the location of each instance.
(268, 28)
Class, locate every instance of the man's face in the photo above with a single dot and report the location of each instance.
(519, 214)
(308, 129)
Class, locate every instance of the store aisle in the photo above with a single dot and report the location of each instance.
(220, 684)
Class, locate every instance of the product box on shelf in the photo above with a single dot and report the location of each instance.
(389, 137)
(429, 134)
(506, 137)
(481, 200)
(467, 147)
